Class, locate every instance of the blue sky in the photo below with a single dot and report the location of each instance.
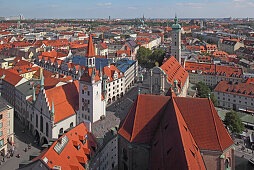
(126, 8)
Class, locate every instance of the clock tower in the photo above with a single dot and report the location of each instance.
(91, 103)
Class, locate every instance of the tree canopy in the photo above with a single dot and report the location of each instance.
(204, 91)
(147, 57)
(233, 122)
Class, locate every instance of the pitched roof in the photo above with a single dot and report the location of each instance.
(212, 69)
(173, 146)
(142, 119)
(146, 113)
(157, 121)
(10, 77)
(174, 70)
(109, 71)
(65, 99)
(243, 89)
(90, 50)
(70, 157)
(204, 123)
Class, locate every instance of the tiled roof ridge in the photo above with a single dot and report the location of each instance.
(178, 128)
(214, 122)
(192, 138)
(134, 106)
(138, 97)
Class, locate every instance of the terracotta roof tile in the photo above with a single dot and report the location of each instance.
(243, 89)
(71, 158)
(175, 71)
(90, 50)
(65, 99)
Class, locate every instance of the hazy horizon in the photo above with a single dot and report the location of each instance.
(77, 9)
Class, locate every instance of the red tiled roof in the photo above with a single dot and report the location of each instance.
(65, 100)
(250, 80)
(104, 45)
(200, 116)
(157, 121)
(204, 123)
(243, 89)
(53, 54)
(71, 158)
(174, 71)
(10, 77)
(110, 72)
(217, 70)
(46, 73)
(175, 148)
(23, 69)
(127, 52)
(90, 50)
(143, 118)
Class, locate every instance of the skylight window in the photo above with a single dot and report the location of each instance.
(60, 145)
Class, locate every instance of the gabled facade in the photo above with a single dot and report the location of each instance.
(52, 111)
(170, 75)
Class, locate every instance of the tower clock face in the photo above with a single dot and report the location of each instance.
(85, 87)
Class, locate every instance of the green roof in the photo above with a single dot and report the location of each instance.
(176, 26)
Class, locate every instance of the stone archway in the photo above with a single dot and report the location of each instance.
(36, 135)
(44, 140)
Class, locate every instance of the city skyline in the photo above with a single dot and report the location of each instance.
(131, 9)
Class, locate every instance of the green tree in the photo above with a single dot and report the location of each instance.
(157, 56)
(143, 55)
(204, 91)
(233, 122)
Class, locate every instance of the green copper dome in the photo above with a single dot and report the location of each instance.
(176, 26)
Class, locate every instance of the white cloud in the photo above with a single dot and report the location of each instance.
(104, 4)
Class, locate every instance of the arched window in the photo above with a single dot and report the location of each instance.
(71, 124)
(37, 121)
(41, 124)
(61, 130)
(227, 164)
(47, 129)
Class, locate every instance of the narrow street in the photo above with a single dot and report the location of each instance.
(21, 140)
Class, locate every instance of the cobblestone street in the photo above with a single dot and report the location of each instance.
(21, 139)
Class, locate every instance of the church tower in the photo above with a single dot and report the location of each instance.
(176, 40)
(91, 103)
